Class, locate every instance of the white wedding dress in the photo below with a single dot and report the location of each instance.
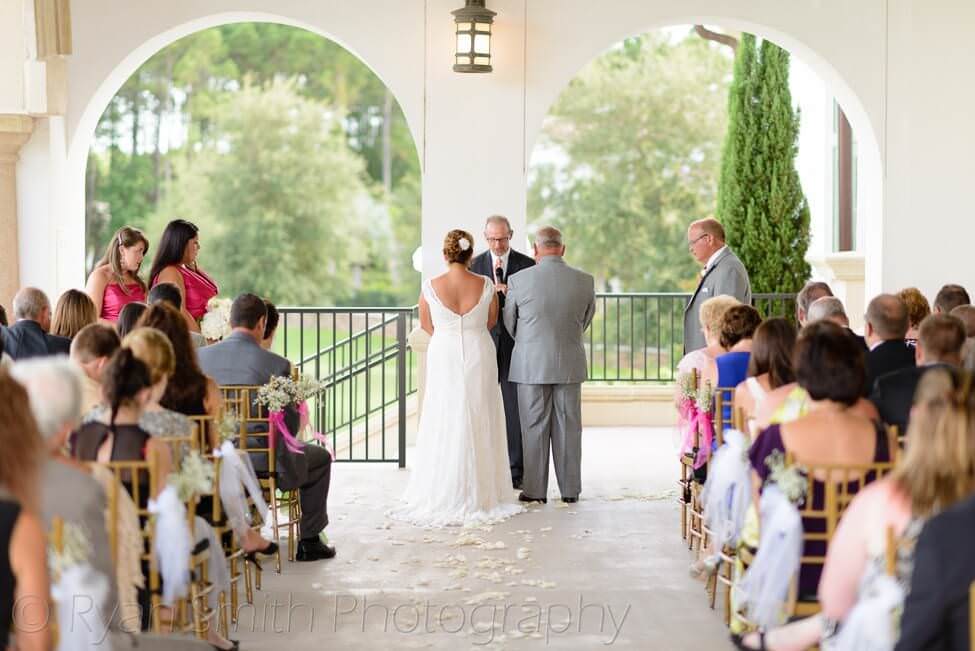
(461, 474)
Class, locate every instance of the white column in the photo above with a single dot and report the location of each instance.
(15, 130)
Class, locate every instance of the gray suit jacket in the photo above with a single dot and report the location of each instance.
(548, 308)
(239, 360)
(726, 276)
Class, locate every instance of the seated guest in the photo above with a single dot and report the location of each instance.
(169, 293)
(240, 360)
(738, 325)
(67, 489)
(830, 367)
(189, 391)
(24, 579)
(940, 344)
(271, 327)
(128, 317)
(967, 315)
(830, 308)
(811, 292)
(917, 310)
(937, 610)
(29, 337)
(90, 351)
(73, 312)
(3, 316)
(769, 368)
(886, 326)
(115, 281)
(702, 359)
(5, 360)
(949, 297)
(934, 475)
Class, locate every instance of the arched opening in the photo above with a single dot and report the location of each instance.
(289, 153)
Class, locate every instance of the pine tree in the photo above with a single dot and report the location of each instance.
(761, 203)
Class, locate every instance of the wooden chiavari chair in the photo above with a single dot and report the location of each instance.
(723, 397)
(971, 617)
(829, 490)
(687, 476)
(139, 478)
(256, 440)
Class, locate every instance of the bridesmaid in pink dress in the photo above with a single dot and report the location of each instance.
(175, 263)
(115, 281)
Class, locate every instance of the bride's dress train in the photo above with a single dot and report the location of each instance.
(461, 474)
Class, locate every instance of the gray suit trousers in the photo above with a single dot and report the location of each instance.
(314, 492)
(551, 415)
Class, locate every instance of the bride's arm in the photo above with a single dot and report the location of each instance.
(493, 312)
(426, 321)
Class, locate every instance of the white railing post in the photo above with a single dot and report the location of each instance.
(418, 341)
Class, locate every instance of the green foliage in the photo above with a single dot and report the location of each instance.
(144, 175)
(760, 199)
(629, 156)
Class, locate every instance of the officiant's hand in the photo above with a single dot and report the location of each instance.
(501, 288)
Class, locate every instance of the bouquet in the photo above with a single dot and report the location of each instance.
(195, 477)
(228, 427)
(216, 322)
(696, 419)
(281, 392)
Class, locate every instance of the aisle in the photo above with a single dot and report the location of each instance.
(614, 557)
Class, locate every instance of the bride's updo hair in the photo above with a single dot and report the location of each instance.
(458, 246)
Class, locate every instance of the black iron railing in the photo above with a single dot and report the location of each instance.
(369, 372)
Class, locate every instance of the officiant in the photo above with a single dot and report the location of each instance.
(499, 262)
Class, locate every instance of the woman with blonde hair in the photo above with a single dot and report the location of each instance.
(73, 312)
(711, 313)
(23, 549)
(115, 281)
(937, 471)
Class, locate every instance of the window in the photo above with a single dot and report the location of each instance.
(844, 182)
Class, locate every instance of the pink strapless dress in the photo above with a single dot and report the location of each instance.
(115, 298)
(199, 289)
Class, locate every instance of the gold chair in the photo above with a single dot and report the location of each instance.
(256, 440)
(698, 531)
(687, 475)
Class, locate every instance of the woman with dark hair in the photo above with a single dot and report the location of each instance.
(73, 312)
(188, 391)
(770, 365)
(176, 262)
(829, 365)
(738, 325)
(115, 281)
(128, 317)
(24, 584)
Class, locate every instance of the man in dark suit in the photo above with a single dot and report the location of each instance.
(949, 297)
(239, 359)
(936, 611)
(886, 326)
(721, 273)
(29, 337)
(939, 343)
(499, 263)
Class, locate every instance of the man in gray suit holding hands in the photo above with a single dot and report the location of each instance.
(548, 308)
(723, 273)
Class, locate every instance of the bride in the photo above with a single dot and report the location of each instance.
(461, 473)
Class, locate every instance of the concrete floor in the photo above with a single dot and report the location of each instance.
(616, 557)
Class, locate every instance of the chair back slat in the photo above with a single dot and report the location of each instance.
(254, 437)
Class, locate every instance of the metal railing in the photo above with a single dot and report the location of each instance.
(369, 372)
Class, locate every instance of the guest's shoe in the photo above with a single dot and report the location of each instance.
(524, 498)
(314, 550)
(516, 484)
(570, 500)
(739, 641)
(270, 550)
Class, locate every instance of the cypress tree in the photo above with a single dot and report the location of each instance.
(760, 198)
(738, 148)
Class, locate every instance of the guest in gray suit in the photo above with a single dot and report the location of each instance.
(723, 273)
(29, 336)
(239, 359)
(548, 308)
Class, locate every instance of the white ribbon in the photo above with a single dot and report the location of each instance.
(173, 546)
(728, 490)
(870, 625)
(81, 630)
(237, 474)
(764, 588)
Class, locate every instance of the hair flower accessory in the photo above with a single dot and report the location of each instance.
(464, 243)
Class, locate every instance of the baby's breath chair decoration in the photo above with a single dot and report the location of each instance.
(69, 558)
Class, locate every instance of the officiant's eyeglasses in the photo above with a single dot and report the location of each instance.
(498, 240)
(690, 245)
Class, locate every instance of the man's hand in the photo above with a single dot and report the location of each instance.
(501, 288)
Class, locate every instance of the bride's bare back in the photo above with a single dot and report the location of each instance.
(459, 291)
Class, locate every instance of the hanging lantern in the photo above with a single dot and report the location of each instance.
(473, 26)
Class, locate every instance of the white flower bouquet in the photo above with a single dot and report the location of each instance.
(216, 322)
(276, 394)
(75, 549)
(195, 477)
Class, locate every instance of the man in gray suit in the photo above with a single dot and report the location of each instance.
(548, 308)
(240, 360)
(723, 273)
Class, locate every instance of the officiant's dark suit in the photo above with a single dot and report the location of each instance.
(484, 265)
